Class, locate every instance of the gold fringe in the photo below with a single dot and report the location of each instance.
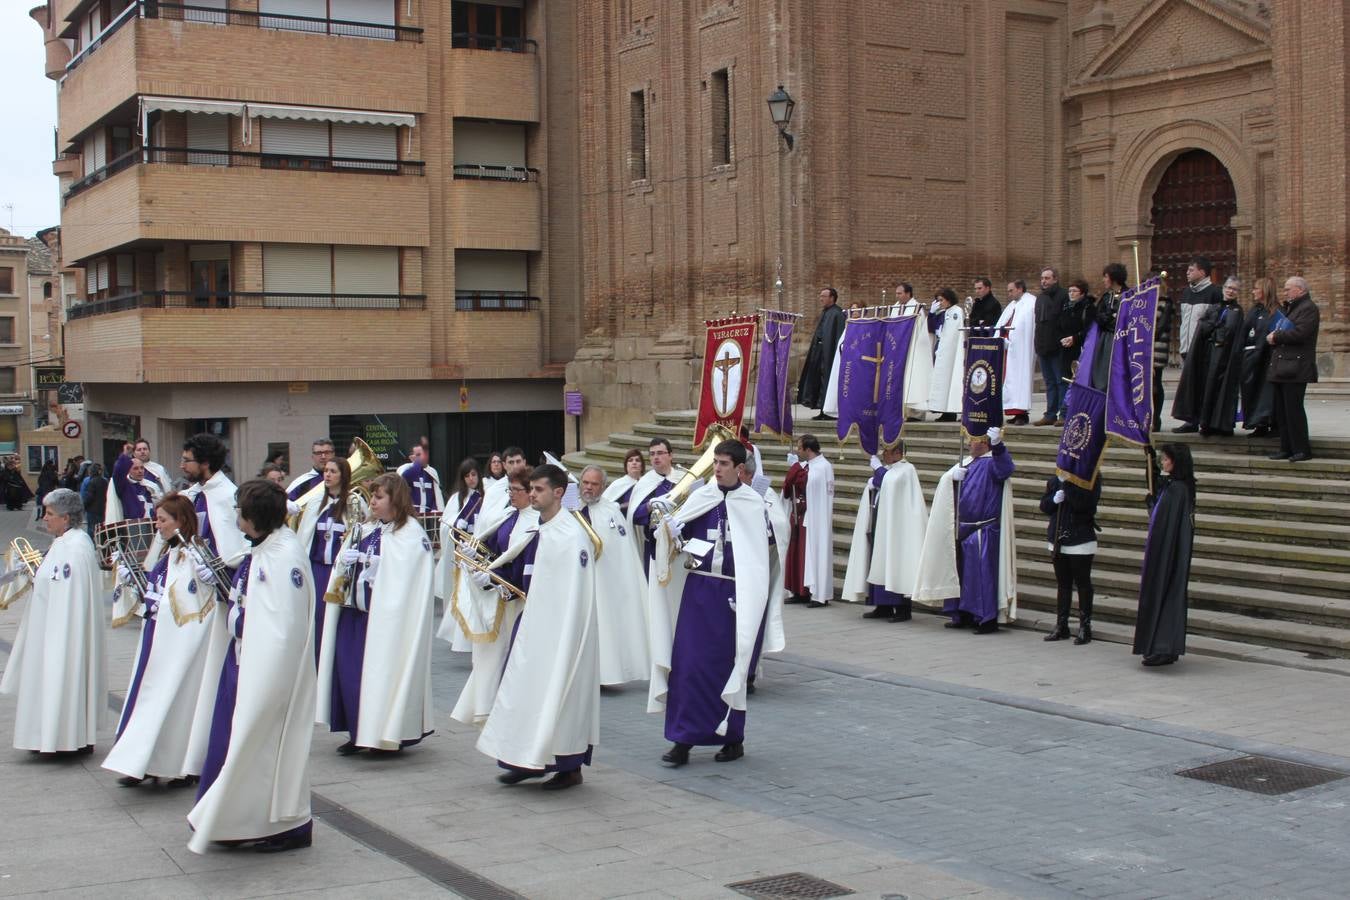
(485, 637)
(181, 618)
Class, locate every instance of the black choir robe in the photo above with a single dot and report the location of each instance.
(815, 379)
(1211, 377)
(1160, 625)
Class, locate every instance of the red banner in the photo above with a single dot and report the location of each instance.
(726, 374)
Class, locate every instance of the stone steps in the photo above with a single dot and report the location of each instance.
(1271, 563)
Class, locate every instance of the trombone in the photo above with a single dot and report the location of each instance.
(364, 465)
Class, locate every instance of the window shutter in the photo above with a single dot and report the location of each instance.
(206, 132)
(102, 266)
(376, 12)
(296, 269)
(312, 9)
(365, 142)
(365, 270)
(203, 11)
(293, 137)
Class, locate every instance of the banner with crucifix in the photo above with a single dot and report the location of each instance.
(860, 357)
(726, 374)
(898, 338)
(773, 408)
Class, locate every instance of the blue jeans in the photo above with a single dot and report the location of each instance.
(1052, 371)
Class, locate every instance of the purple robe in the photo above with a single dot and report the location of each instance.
(979, 510)
(468, 511)
(623, 499)
(204, 522)
(877, 595)
(323, 550)
(156, 579)
(642, 519)
(137, 500)
(704, 651)
(304, 485)
(422, 487)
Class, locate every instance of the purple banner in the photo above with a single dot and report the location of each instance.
(1082, 367)
(860, 356)
(1084, 437)
(982, 400)
(897, 339)
(1129, 390)
(773, 412)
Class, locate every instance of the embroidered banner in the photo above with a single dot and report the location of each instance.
(898, 338)
(1083, 439)
(726, 370)
(982, 397)
(860, 371)
(773, 410)
(1129, 392)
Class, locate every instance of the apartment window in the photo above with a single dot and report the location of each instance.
(6, 329)
(720, 106)
(6, 280)
(299, 269)
(7, 380)
(488, 26)
(637, 136)
(302, 144)
(492, 280)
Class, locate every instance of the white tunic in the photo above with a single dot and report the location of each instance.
(58, 668)
(892, 558)
(818, 569)
(944, 392)
(1020, 316)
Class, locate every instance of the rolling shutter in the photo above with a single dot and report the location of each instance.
(296, 269)
(206, 133)
(365, 142)
(375, 12)
(205, 11)
(365, 270)
(293, 137)
(310, 9)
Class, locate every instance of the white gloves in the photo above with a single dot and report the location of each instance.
(874, 462)
(480, 578)
(995, 436)
(349, 557)
(674, 527)
(205, 575)
(462, 524)
(792, 459)
(292, 508)
(958, 473)
(1059, 496)
(123, 573)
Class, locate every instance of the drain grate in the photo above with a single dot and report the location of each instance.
(1262, 775)
(792, 886)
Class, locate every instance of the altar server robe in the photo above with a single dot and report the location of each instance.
(887, 552)
(944, 392)
(1019, 316)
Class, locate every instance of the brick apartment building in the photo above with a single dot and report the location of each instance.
(301, 216)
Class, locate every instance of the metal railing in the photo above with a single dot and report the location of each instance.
(494, 301)
(151, 9)
(476, 172)
(209, 299)
(468, 40)
(183, 156)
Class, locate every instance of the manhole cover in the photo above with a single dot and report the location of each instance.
(1262, 775)
(792, 886)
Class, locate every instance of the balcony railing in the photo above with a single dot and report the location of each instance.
(494, 301)
(207, 299)
(467, 40)
(151, 9)
(183, 156)
(475, 172)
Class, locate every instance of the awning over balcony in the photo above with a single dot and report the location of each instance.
(322, 114)
(189, 105)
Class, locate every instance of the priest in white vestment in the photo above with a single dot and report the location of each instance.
(57, 669)
(809, 490)
(166, 715)
(546, 716)
(946, 385)
(375, 663)
(255, 780)
(883, 558)
(620, 589)
(1018, 326)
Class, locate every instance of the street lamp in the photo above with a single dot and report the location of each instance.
(781, 105)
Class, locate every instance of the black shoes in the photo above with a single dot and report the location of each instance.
(184, 781)
(987, 627)
(1159, 659)
(129, 781)
(563, 780)
(281, 845)
(1061, 632)
(821, 417)
(1260, 431)
(1084, 635)
(901, 615)
(879, 612)
(795, 598)
(1186, 428)
(947, 417)
(1021, 419)
(957, 625)
(1280, 455)
(348, 749)
(677, 755)
(730, 753)
(516, 776)
(814, 604)
(1300, 457)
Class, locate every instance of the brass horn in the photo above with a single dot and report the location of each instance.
(364, 466)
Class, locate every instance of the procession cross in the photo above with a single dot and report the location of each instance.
(876, 382)
(725, 365)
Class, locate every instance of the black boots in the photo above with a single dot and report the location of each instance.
(677, 755)
(1084, 635)
(1061, 631)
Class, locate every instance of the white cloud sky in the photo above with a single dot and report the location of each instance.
(29, 113)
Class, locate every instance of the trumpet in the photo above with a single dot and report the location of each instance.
(24, 560)
(203, 555)
(479, 562)
(127, 559)
(340, 593)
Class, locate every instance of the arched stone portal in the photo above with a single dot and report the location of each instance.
(1192, 214)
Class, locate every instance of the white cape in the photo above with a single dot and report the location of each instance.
(474, 615)
(169, 725)
(831, 407)
(919, 367)
(220, 491)
(641, 491)
(395, 703)
(496, 497)
(548, 703)
(618, 487)
(620, 599)
(818, 570)
(892, 558)
(448, 576)
(1020, 315)
(944, 393)
(775, 638)
(939, 579)
(263, 785)
(58, 666)
(756, 581)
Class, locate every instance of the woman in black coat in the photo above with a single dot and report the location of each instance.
(1072, 535)
(1258, 396)
(1160, 625)
(46, 483)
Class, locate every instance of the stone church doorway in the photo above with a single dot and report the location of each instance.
(1193, 209)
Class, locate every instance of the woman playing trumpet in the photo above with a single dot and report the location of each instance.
(460, 516)
(322, 528)
(166, 717)
(375, 667)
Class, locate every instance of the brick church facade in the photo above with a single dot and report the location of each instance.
(936, 141)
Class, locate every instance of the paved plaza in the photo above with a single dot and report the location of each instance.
(892, 760)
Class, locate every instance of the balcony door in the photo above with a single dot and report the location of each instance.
(210, 270)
